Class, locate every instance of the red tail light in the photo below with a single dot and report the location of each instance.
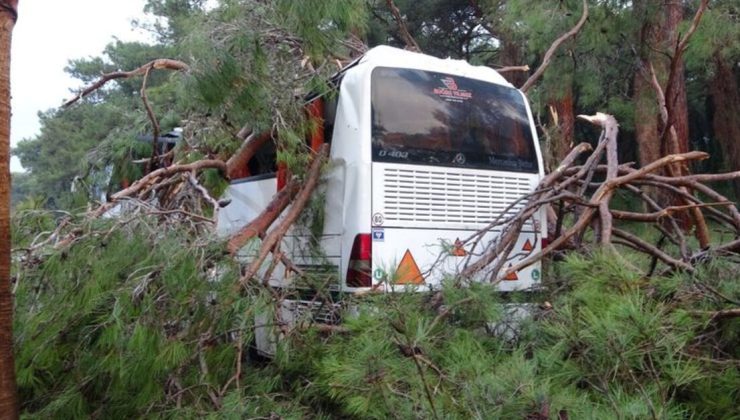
(360, 262)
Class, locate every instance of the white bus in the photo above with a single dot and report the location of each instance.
(424, 152)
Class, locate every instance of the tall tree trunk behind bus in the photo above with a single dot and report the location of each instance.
(643, 96)
(8, 392)
(563, 115)
(677, 102)
(511, 55)
(657, 41)
(647, 135)
(659, 33)
(726, 123)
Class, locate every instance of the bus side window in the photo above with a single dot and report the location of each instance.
(330, 114)
(262, 164)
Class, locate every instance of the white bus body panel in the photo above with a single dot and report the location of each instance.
(248, 199)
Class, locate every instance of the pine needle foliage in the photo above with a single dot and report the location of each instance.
(128, 321)
(255, 62)
(123, 321)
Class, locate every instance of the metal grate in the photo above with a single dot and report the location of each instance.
(323, 312)
(414, 196)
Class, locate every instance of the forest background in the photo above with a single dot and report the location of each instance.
(109, 326)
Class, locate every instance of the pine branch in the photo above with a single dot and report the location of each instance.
(551, 51)
(312, 180)
(411, 43)
(158, 64)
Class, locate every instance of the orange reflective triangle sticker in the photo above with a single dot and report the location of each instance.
(511, 276)
(527, 246)
(408, 271)
(457, 249)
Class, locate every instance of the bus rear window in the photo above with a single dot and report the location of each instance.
(429, 118)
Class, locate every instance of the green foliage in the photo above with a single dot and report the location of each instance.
(128, 322)
(57, 155)
(253, 60)
(118, 323)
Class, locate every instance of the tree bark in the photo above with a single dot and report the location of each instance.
(8, 392)
(647, 133)
(676, 100)
(646, 120)
(276, 234)
(236, 166)
(511, 55)
(564, 119)
(660, 34)
(726, 124)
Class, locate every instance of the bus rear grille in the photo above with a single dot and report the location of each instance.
(415, 196)
(323, 312)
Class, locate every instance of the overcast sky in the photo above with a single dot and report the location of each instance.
(48, 34)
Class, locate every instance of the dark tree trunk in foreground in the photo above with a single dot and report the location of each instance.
(8, 393)
(726, 123)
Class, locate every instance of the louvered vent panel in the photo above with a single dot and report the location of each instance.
(411, 196)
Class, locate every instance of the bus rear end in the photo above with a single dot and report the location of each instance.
(451, 156)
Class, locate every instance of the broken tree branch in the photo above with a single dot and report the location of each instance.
(551, 51)
(510, 69)
(159, 64)
(513, 228)
(403, 29)
(152, 177)
(152, 118)
(204, 193)
(261, 223)
(250, 145)
(588, 212)
(272, 238)
(652, 250)
(610, 129)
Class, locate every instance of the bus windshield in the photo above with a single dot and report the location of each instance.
(428, 118)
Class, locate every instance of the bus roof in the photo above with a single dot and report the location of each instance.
(385, 56)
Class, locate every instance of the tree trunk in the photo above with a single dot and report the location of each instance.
(643, 96)
(511, 55)
(564, 117)
(726, 124)
(8, 392)
(659, 33)
(676, 101)
(646, 119)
